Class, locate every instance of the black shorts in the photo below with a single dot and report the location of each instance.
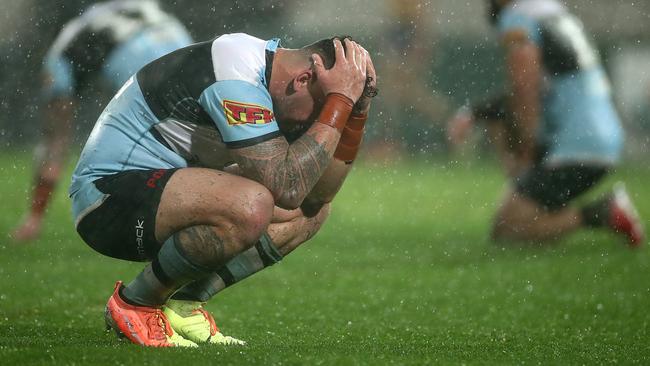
(123, 226)
(553, 188)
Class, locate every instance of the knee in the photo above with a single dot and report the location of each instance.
(512, 227)
(504, 226)
(254, 212)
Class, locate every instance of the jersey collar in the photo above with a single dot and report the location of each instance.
(271, 46)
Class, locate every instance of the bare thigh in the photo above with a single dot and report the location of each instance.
(234, 206)
(521, 218)
(515, 212)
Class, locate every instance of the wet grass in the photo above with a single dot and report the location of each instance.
(401, 274)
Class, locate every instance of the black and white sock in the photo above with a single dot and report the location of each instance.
(253, 260)
(168, 272)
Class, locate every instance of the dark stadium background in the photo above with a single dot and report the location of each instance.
(404, 272)
(463, 63)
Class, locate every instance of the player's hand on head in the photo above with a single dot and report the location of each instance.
(362, 106)
(348, 75)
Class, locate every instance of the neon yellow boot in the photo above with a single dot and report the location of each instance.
(191, 321)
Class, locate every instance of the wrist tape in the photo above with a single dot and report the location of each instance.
(351, 137)
(336, 111)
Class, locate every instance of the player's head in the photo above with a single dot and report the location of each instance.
(325, 49)
(494, 9)
(301, 100)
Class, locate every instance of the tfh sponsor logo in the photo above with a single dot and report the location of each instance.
(243, 113)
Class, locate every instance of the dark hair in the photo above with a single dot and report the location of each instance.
(325, 49)
(494, 10)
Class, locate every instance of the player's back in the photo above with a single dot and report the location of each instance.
(111, 41)
(186, 108)
(580, 121)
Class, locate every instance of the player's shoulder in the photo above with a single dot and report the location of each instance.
(119, 19)
(142, 11)
(69, 32)
(83, 23)
(92, 17)
(241, 57)
(529, 10)
(523, 19)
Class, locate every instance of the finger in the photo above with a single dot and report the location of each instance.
(364, 61)
(350, 54)
(362, 51)
(371, 70)
(365, 55)
(352, 47)
(338, 50)
(355, 55)
(360, 57)
(318, 63)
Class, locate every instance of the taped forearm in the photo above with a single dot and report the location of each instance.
(309, 156)
(346, 151)
(336, 111)
(351, 138)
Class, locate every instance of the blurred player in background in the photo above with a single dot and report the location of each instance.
(213, 162)
(557, 130)
(411, 102)
(108, 43)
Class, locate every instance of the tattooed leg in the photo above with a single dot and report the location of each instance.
(189, 255)
(202, 245)
(262, 255)
(208, 217)
(288, 231)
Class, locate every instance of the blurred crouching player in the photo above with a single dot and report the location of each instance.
(107, 44)
(557, 130)
(212, 163)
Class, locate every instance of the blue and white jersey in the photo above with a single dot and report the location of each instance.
(112, 41)
(580, 123)
(187, 108)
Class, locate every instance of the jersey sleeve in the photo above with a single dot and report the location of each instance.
(511, 20)
(58, 77)
(242, 112)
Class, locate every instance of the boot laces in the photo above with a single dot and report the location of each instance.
(213, 325)
(158, 325)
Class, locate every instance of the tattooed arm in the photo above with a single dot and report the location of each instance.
(334, 176)
(326, 188)
(290, 171)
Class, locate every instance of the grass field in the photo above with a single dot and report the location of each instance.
(401, 274)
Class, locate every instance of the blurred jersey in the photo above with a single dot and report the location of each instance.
(110, 41)
(580, 123)
(187, 108)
